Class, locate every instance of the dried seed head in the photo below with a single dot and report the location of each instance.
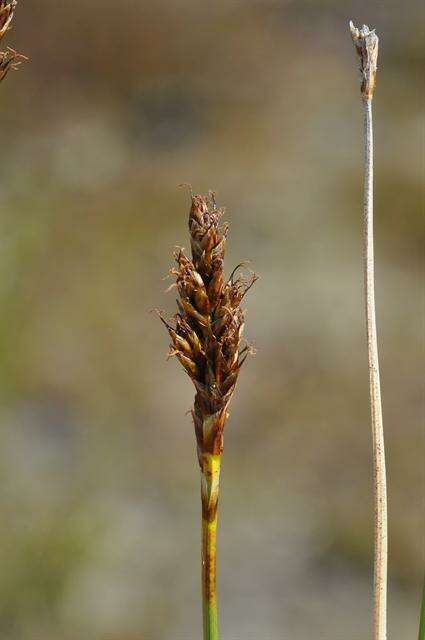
(366, 43)
(206, 333)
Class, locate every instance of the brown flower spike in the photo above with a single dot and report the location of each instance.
(9, 59)
(207, 330)
(206, 335)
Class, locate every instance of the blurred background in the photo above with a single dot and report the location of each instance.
(259, 100)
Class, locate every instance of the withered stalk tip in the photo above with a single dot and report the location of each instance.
(366, 43)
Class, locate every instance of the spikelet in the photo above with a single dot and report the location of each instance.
(206, 332)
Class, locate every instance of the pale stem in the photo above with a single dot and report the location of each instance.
(379, 473)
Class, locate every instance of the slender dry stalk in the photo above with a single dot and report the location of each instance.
(9, 59)
(366, 43)
(206, 335)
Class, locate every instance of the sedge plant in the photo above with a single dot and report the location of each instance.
(366, 44)
(9, 59)
(206, 337)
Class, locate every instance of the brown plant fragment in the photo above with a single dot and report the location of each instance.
(6, 15)
(9, 59)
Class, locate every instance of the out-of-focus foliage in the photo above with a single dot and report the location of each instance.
(100, 501)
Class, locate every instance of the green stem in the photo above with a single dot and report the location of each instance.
(210, 478)
(422, 620)
(209, 601)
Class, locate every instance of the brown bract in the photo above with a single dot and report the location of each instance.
(10, 59)
(366, 43)
(206, 331)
